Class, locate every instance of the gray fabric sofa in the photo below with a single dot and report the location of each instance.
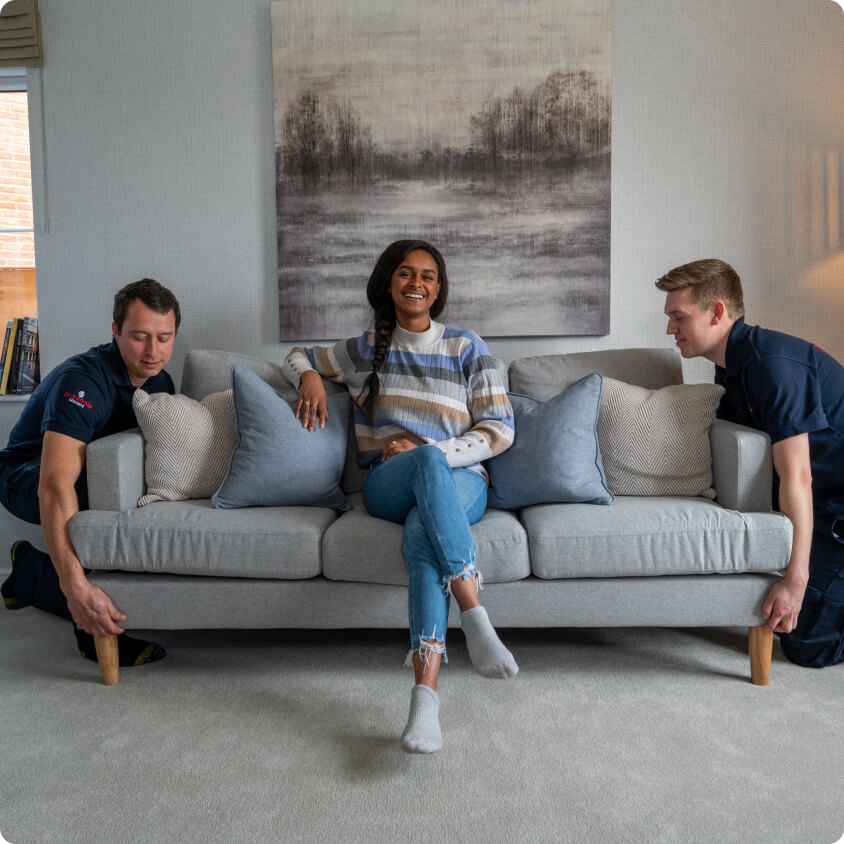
(642, 561)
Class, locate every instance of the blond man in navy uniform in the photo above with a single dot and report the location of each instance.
(794, 391)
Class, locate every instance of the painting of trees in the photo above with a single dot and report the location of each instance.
(392, 122)
(564, 119)
(324, 141)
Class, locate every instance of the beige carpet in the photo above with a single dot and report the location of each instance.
(605, 736)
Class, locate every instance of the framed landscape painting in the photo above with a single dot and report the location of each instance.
(482, 126)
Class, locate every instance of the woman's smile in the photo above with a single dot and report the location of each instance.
(414, 287)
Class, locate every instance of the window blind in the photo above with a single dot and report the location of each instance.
(20, 34)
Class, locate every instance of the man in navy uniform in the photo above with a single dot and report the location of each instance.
(794, 392)
(42, 469)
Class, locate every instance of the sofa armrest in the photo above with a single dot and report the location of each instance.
(742, 470)
(115, 466)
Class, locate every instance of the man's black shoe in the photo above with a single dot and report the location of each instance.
(131, 652)
(10, 600)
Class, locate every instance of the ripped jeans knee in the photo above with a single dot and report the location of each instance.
(470, 572)
(425, 646)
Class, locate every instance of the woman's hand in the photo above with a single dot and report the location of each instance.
(313, 403)
(395, 447)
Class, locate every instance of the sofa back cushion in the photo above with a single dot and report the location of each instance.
(207, 372)
(545, 376)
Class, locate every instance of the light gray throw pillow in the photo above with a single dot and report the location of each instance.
(188, 444)
(656, 442)
(276, 461)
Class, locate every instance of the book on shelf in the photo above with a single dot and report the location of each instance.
(12, 387)
(20, 343)
(19, 365)
(28, 366)
(9, 359)
(5, 345)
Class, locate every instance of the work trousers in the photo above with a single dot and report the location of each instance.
(36, 581)
(818, 638)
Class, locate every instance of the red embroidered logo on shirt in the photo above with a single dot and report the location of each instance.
(78, 400)
(751, 407)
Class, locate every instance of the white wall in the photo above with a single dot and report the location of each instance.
(728, 122)
(159, 131)
(722, 111)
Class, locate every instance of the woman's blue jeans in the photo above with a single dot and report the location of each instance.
(437, 505)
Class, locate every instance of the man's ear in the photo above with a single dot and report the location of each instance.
(719, 312)
(114, 331)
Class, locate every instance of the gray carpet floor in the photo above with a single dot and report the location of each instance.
(632, 735)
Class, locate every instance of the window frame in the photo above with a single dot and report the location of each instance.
(13, 79)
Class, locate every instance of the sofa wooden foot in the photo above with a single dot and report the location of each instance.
(761, 646)
(108, 657)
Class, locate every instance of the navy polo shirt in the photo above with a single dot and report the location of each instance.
(87, 397)
(785, 386)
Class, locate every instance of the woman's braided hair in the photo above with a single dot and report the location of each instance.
(384, 319)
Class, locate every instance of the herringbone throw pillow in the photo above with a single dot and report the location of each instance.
(656, 442)
(188, 444)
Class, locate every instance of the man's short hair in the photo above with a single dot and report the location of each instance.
(710, 281)
(154, 295)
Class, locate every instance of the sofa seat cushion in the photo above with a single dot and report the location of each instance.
(642, 536)
(191, 537)
(358, 547)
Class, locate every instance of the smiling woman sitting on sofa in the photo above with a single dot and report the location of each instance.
(429, 407)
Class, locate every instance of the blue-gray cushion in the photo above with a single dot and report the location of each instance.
(555, 456)
(276, 461)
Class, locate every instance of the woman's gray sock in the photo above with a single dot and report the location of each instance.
(422, 733)
(489, 657)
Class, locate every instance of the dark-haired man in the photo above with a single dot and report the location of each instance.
(794, 392)
(42, 469)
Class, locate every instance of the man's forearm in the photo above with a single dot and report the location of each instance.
(796, 503)
(58, 507)
(793, 467)
(792, 463)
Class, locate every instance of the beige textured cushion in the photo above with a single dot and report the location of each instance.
(656, 442)
(188, 444)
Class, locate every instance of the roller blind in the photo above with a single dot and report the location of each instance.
(20, 34)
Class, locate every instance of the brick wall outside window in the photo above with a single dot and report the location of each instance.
(16, 250)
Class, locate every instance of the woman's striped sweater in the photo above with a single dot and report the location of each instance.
(438, 387)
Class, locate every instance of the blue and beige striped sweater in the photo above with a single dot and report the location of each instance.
(438, 387)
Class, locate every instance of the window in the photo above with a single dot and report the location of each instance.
(17, 240)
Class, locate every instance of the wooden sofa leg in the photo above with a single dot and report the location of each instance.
(109, 660)
(761, 646)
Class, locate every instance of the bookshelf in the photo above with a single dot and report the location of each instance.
(18, 305)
